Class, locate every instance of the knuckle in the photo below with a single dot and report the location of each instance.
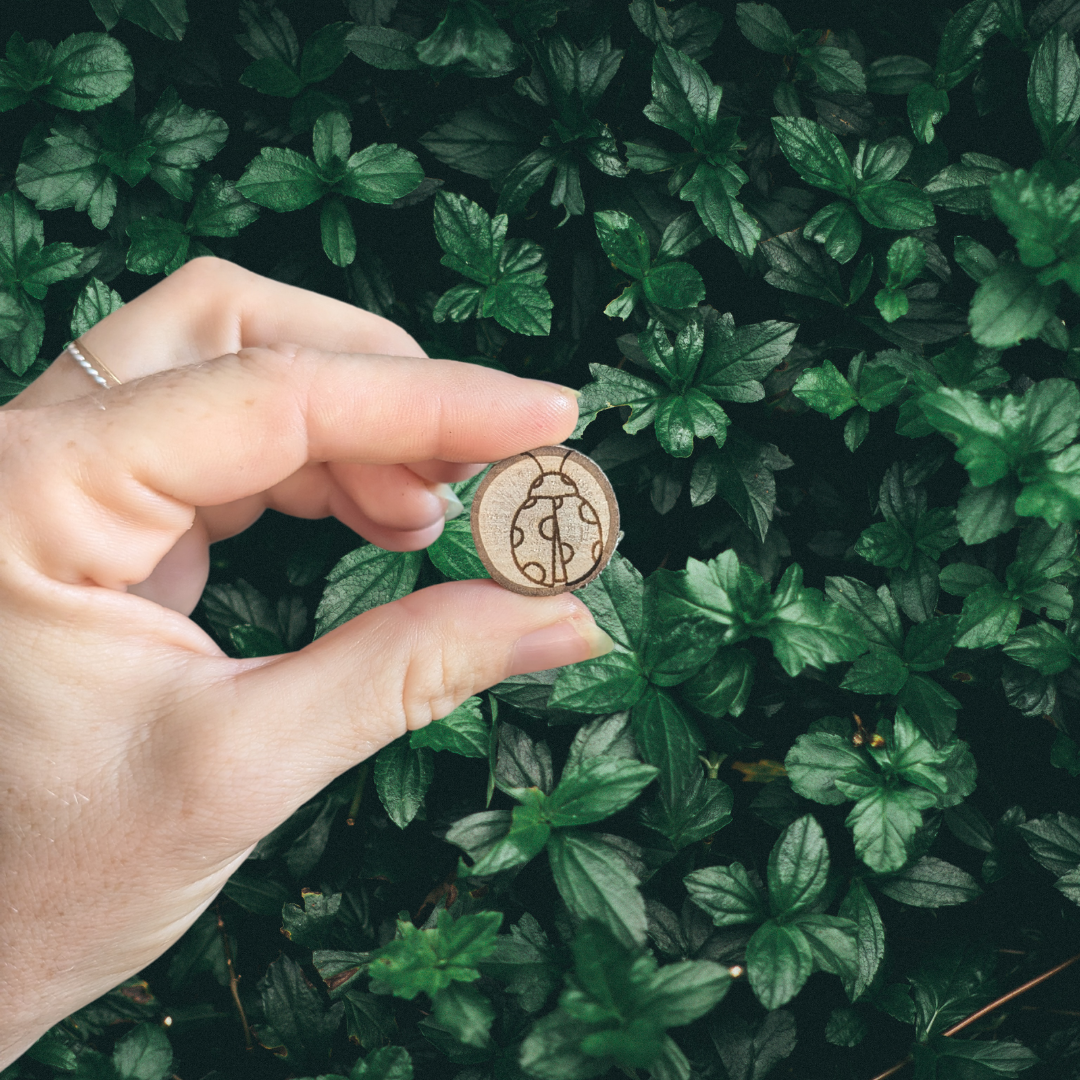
(439, 673)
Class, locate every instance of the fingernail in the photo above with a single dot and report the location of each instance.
(454, 506)
(567, 642)
(575, 394)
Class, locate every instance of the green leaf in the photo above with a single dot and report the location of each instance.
(463, 731)
(385, 1063)
(816, 154)
(402, 777)
(158, 246)
(985, 512)
(427, 961)
(363, 579)
(182, 139)
(895, 205)
(965, 34)
(989, 618)
(281, 179)
(1042, 647)
(836, 70)
(299, 1025)
(65, 171)
(468, 35)
(798, 266)
(624, 242)
(310, 925)
(684, 98)
(381, 173)
(336, 228)
(595, 883)
(806, 630)
(525, 839)
(859, 906)
(723, 685)
(701, 808)
(930, 883)
(752, 1053)
(816, 762)
(464, 1014)
(884, 822)
(712, 191)
(669, 740)
(1053, 88)
(166, 19)
(597, 789)
(87, 71)
(743, 473)
(927, 106)
(1054, 842)
(143, 1054)
(879, 671)
(1010, 306)
(94, 303)
(897, 74)
(511, 271)
(727, 894)
(964, 187)
(837, 226)
(798, 867)
(778, 961)
(825, 390)
(1000, 1057)
(271, 75)
(762, 25)
(323, 53)
(383, 47)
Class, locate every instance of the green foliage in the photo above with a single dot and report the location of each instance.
(815, 272)
(891, 783)
(791, 940)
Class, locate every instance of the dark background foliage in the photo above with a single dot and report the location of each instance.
(706, 158)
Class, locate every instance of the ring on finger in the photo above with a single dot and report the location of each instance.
(92, 365)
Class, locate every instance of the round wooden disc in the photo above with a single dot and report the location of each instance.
(545, 521)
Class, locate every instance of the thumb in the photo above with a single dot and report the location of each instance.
(306, 717)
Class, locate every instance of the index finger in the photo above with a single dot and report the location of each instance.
(208, 308)
(104, 486)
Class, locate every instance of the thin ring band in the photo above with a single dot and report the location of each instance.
(92, 365)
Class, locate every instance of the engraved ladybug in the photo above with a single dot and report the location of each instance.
(556, 536)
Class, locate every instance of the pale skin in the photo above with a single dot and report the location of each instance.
(140, 765)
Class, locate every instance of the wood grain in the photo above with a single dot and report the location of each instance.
(545, 521)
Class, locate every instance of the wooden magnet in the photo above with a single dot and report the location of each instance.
(545, 521)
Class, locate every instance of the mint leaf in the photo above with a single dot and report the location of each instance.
(779, 962)
(511, 273)
(87, 71)
(798, 867)
(686, 101)
(427, 961)
(762, 25)
(468, 36)
(816, 154)
(1053, 89)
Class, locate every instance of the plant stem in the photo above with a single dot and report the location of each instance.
(233, 980)
(987, 1009)
(358, 795)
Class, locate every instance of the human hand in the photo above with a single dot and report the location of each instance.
(137, 762)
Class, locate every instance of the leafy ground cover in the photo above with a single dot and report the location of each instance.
(815, 269)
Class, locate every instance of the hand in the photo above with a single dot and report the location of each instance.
(133, 775)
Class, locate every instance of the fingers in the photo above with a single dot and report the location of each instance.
(102, 487)
(209, 308)
(307, 717)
